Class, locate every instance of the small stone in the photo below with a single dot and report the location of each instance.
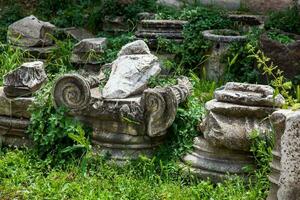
(249, 94)
(88, 50)
(78, 33)
(130, 75)
(30, 32)
(136, 47)
(25, 80)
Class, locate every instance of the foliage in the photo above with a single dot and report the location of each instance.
(9, 14)
(277, 80)
(282, 38)
(287, 20)
(10, 58)
(194, 48)
(51, 136)
(23, 175)
(261, 148)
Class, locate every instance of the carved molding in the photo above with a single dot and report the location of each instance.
(161, 105)
(72, 91)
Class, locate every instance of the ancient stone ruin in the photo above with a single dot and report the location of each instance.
(32, 35)
(224, 148)
(127, 117)
(151, 30)
(221, 39)
(87, 52)
(16, 98)
(285, 175)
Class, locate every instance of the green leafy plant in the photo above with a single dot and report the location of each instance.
(10, 58)
(287, 20)
(194, 48)
(282, 38)
(277, 80)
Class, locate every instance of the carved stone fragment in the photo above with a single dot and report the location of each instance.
(136, 47)
(151, 30)
(130, 73)
(13, 132)
(17, 107)
(238, 110)
(285, 173)
(87, 51)
(77, 33)
(123, 128)
(249, 94)
(30, 32)
(25, 80)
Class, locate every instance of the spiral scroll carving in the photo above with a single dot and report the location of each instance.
(71, 91)
(161, 105)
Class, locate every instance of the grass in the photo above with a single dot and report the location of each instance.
(23, 175)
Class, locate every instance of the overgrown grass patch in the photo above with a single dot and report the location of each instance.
(23, 175)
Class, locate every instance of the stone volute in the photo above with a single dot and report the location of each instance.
(224, 148)
(128, 120)
(221, 40)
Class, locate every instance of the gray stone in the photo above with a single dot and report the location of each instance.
(25, 80)
(225, 144)
(228, 125)
(13, 132)
(146, 16)
(78, 33)
(278, 119)
(115, 24)
(215, 69)
(130, 73)
(87, 51)
(16, 107)
(123, 128)
(151, 30)
(30, 32)
(207, 161)
(136, 47)
(289, 181)
(249, 94)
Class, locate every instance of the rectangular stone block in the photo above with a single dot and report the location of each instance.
(16, 107)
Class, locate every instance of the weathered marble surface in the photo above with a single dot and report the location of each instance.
(207, 161)
(238, 110)
(25, 80)
(133, 48)
(17, 107)
(130, 73)
(13, 132)
(124, 128)
(30, 32)
(249, 94)
(77, 33)
(151, 30)
(87, 51)
(289, 182)
(229, 125)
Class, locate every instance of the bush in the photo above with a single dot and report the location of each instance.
(287, 20)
